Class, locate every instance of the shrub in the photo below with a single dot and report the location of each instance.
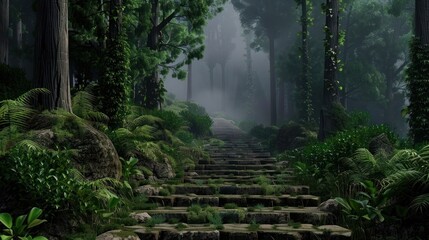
(268, 135)
(19, 229)
(341, 145)
(197, 119)
(47, 178)
(171, 121)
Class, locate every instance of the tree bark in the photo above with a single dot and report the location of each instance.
(422, 21)
(282, 99)
(211, 80)
(330, 84)
(306, 113)
(18, 38)
(151, 93)
(189, 90)
(418, 76)
(52, 54)
(273, 88)
(223, 85)
(4, 31)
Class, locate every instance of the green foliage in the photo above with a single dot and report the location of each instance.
(268, 135)
(198, 121)
(185, 136)
(341, 145)
(417, 75)
(253, 226)
(48, 178)
(83, 105)
(198, 214)
(230, 206)
(14, 82)
(23, 224)
(19, 111)
(114, 86)
(326, 166)
(170, 120)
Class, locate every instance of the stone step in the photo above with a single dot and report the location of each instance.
(277, 215)
(240, 200)
(166, 231)
(218, 166)
(218, 178)
(239, 189)
(240, 155)
(254, 173)
(238, 161)
(237, 180)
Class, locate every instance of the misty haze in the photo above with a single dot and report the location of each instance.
(214, 119)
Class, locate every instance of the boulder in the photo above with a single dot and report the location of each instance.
(381, 144)
(118, 235)
(140, 217)
(329, 206)
(95, 155)
(161, 169)
(147, 190)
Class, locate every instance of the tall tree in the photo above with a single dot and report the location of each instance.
(114, 84)
(169, 36)
(418, 75)
(265, 18)
(331, 100)
(52, 53)
(4, 31)
(306, 113)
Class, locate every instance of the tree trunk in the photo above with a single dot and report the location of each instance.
(189, 90)
(223, 85)
(422, 21)
(273, 87)
(152, 90)
(306, 93)
(52, 54)
(4, 31)
(344, 96)
(211, 80)
(330, 84)
(282, 93)
(18, 38)
(418, 75)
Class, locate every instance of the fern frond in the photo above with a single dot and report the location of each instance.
(83, 104)
(30, 145)
(26, 98)
(365, 157)
(420, 203)
(146, 120)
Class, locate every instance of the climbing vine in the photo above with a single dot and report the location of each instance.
(418, 87)
(114, 84)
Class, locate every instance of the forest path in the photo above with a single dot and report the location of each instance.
(241, 192)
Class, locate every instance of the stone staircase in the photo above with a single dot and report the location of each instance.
(248, 189)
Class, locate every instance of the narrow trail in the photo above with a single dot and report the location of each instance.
(252, 193)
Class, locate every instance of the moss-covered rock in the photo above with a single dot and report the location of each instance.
(94, 154)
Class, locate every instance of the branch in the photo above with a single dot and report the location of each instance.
(167, 20)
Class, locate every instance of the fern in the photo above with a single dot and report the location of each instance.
(84, 106)
(19, 111)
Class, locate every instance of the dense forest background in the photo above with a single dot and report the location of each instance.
(106, 105)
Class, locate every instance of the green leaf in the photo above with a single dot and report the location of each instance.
(4, 237)
(33, 215)
(6, 219)
(19, 224)
(40, 238)
(35, 223)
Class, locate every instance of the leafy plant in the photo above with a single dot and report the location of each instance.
(253, 226)
(20, 229)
